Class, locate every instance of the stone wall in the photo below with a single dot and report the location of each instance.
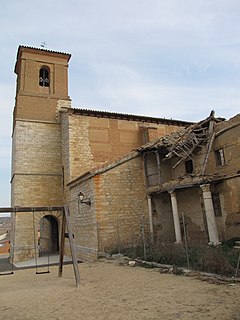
(122, 204)
(189, 204)
(36, 178)
(36, 165)
(163, 227)
(83, 221)
(26, 226)
(229, 140)
(96, 141)
(224, 179)
(65, 152)
(229, 191)
(118, 207)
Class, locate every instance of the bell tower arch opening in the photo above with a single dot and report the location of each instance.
(44, 79)
(48, 237)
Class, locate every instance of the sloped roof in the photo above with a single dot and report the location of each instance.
(129, 117)
(42, 51)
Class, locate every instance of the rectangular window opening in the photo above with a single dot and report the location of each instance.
(220, 158)
(216, 204)
(189, 166)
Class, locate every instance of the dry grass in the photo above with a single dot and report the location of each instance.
(110, 291)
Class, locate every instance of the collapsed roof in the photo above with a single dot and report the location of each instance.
(183, 143)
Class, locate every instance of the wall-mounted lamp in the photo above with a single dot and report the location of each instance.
(82, 199)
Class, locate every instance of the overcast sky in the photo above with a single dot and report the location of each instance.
(174, 58)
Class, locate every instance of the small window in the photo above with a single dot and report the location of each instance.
(219, 155)
(189, 166)
(44, 77)
(216, 204)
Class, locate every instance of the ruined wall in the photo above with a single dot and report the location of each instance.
(189, 204)
(162, 218)
(166, 170)
(229, 141)
(151, 168)
(224, 179)
(227, 138)
(229, 222)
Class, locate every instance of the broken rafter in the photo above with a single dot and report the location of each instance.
(190, 153)
(182, 143)
(185, 148)
(210, 143)
(209, 146)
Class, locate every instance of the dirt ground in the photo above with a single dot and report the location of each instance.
(110, 291)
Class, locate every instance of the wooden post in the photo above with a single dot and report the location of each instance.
(145, 169)
(143, 238)
(210, 143)
(62, 244)
(158, 167)
(72, 247)
(118, 236)
(185, 238)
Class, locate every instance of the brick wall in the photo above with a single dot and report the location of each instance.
(4, 246)
(31, 102)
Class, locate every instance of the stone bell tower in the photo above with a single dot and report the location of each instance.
(42, 81)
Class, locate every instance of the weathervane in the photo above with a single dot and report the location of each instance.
(43, 44)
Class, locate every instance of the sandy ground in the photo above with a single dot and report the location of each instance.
(110, 291)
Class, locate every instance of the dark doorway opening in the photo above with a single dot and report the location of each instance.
(48, 236)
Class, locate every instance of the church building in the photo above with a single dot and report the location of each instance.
(104, 165)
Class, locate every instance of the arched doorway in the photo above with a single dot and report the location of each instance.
(48, 236)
